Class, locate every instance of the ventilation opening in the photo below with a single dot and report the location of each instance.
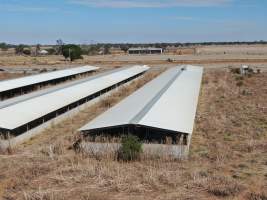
(145, 134)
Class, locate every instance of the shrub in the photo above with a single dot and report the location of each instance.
(106, 49)
(19, 49)
(27, 52)
(131, 148)
(223, 187)
(3, 46)
(43, 70)
(51, 51)
(235, 70)
(239, 84)
(169, 60)
(73, 51)
(239, 78)
(250, 71)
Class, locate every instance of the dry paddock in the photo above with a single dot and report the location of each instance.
(228, 158)
(114, 60)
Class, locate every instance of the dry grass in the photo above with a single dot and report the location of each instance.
(5, 75)
(228, 158)
(240, 54)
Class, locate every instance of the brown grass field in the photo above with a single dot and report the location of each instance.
(228, 155)
(214, 54)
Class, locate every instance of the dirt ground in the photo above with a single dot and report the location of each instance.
(46, 61)
(233, 49)
(228, 156)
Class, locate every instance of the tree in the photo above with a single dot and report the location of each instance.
(106, 49)
(94, 49)
(3, 46)
(19, 49)
(37, 49)
(59, 48)
(125, 48)
(72, 51)
(27, 52)
(51, 51)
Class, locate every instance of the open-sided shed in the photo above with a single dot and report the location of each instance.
(18, 86)
(163, 108)
(26, 114)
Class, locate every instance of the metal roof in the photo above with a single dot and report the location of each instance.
(168, 102)
(26, 111)
(144, 49)
(39, 78)
(18, 99)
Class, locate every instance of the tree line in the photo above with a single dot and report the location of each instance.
(74, 51)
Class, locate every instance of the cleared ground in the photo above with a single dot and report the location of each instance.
(228, 158)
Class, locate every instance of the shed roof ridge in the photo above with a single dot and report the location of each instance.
(137, 118)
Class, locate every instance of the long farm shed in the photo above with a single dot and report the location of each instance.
(26, 114)
(163, 108)
(18, 86)
(21, 98)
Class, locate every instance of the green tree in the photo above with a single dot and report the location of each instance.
(27, 52)
(93, 49)
(72, 51)
(131, 148)
(106, 49)
(19, 49)
(3, 46)
(51, 51)
(124, 48)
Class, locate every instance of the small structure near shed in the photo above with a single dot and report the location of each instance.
(244, 69)
(43, 52)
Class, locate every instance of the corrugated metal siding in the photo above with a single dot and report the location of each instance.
(168, 102)
(26, 111)
(39, 78)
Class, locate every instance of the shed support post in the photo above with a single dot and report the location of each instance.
(184, 139)
(178, 139)
(9, 140)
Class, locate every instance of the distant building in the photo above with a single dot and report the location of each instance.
(43, 52)
(148, 50)
(244, 69)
